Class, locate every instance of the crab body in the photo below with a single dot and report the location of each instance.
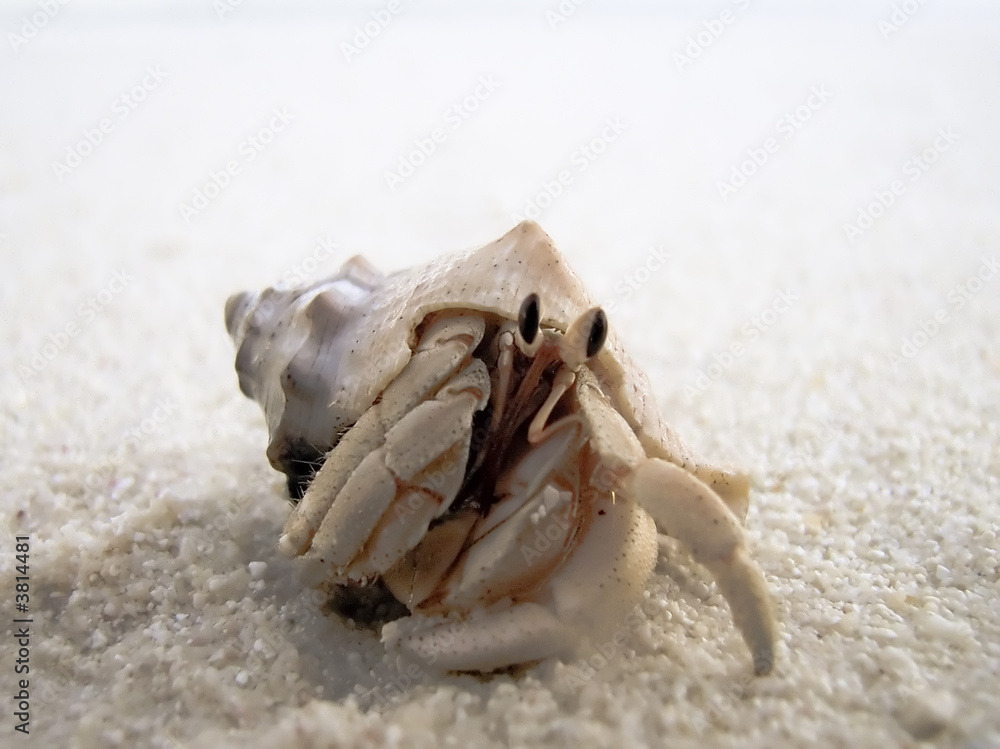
(489, 451)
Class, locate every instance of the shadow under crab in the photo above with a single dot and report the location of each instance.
(491, 456)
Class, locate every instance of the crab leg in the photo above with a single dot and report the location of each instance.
(421, 463)
(583, 339)
(685, 508)
(441, 353)
(425, 455)
(615, 556)
(524, 536)
(537, 430)
(486, 641)
(505, 365)
(688, 510)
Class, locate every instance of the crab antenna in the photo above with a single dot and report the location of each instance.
(583, 340)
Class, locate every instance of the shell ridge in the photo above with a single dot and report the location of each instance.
(362, 332)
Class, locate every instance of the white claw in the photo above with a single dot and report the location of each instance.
(688, 510)
(501, 478)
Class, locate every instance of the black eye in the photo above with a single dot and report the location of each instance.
(528, 318)
(598, 333)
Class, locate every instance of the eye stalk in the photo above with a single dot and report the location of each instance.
(598, 333)
(529, 320)
(585, 338)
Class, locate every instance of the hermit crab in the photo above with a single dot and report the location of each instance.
(487, 451)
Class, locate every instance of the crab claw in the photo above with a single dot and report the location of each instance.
(686, 509)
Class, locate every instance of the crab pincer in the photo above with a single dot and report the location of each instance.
(471, 435)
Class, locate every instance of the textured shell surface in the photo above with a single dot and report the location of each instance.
(315, 358)
(437, 424)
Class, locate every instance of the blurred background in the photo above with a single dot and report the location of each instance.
(211, 145)
(517, 94)
(410, 128)
(814, 182)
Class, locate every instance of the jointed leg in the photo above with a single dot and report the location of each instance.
(445, 346)
(688, 510)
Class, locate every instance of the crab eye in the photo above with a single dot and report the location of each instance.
(584, 338)
(529, 318)
(598, 333)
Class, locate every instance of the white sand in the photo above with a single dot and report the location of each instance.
(163, 613)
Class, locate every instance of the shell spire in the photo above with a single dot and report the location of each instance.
(288, 349)
(315, 358)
